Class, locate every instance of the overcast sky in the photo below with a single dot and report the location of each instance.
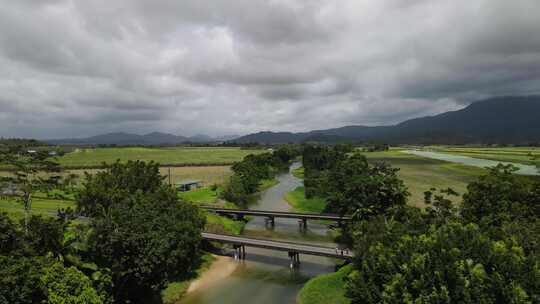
(84, 67)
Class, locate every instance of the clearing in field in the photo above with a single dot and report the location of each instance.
(92, 158)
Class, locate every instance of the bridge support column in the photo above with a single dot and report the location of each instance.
(295, 259)
(239, 252)
(302, 224)
(270, 222)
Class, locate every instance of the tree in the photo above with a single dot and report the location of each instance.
(45, 235)
(501, 196)
(9, 235)
(358, 188)
(116, 184)
(141, 230)
(31, 172)
(68, 286)
(20, 279)
(235, 191)
(452, 263)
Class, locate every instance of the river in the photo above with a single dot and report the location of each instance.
(471, 161)
(265, 276)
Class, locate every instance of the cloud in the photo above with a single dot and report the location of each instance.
(79, 68)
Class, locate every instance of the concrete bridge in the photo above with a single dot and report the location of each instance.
(294, 249)
(271, 215)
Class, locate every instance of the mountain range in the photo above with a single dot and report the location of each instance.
(124, 139)
(501, 120)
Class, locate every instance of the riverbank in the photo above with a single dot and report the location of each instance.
(298, 201)
(176, 290)
(326, 288)
(221, 268)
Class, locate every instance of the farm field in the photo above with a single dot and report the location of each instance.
(209, 175)
(95, 157)
(420, 174)
(521, 155)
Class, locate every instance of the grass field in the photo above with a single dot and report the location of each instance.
(91, 158)
(40, 206)
(204, 195)
(300, 203)
(209, 175)
(507, 154)
(326, 289)
(420, 174)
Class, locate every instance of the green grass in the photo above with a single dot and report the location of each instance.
(176, 290)
(420, 174)
(300, 203)
(40, 206)
(267, 183)
(326, 288)
(223, 225)
(204, 195)
(298, 172)
(508, 154)
(89, 158)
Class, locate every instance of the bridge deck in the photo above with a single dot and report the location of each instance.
(279, 245)
(311, 216)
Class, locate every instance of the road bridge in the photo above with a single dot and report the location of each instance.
(271, 215)
(294, 249)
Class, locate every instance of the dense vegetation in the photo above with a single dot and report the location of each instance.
(138, 237)
(484, 250)
(249, 173)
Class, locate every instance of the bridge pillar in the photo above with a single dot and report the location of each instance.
(239, 252)
(302, 224)
(269, 221)
(295, 259)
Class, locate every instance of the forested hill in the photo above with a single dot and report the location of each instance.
(512, 120)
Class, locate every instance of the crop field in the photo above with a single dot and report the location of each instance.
(94, 158)
(209, 175)
(508, 154)
(420, 174)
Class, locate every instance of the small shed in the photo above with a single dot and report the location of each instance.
(188, 185)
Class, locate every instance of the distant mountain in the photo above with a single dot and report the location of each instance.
(123, 139)
(509, 119)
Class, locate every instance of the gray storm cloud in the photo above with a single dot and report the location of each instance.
(79, 68)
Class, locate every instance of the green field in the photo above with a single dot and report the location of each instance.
(204, 196)
(300, 203)
(420, 174)
(508, 154)
(91, 158)
(40, 206)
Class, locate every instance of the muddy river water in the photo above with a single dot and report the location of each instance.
(265, 276)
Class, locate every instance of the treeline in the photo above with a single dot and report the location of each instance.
(136, 236)
(484, 250)
(253, 169)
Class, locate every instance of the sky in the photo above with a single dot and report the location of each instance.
(76, 68)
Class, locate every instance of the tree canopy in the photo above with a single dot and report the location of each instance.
(140, 229)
